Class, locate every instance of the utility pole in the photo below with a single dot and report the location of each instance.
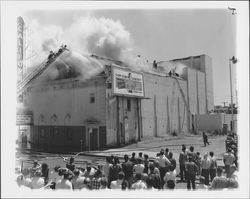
(234, 61)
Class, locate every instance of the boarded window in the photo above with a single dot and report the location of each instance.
(92, 98)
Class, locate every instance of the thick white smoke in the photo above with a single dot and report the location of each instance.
(40, 40)
(100, 36)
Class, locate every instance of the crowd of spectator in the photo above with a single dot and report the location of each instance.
(137, 172)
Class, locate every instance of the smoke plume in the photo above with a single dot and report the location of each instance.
(86, 35)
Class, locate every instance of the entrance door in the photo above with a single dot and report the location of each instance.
(93, 138)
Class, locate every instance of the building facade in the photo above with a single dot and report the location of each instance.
(115, 107)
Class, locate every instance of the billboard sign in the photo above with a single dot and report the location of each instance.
(127, 83)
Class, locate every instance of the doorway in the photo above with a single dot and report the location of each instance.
(93, 138)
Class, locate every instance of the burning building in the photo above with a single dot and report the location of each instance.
(94, 102)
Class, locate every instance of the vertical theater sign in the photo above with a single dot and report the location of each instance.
(20, 53)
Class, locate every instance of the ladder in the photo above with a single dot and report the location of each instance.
(28, 80)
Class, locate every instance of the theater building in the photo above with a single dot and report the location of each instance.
(118, 105)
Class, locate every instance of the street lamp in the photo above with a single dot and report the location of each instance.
(234, 61)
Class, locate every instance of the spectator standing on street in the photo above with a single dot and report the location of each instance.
(37, 181)
(146, 163)
(139, 167)
(150, 184)
(163, 165)
(119, 183)
(192, 154)
(205, 139)
(107, 166)
(36, 166)
(89, 172)
(155, 176)
(77, 181)
(191, 170)
(213, 167)
(139, 184)
(170, 178)
(96, 180)
(133, 159)
(127, 168)
(104, 183)
(182, 161)
(219, 181)
(64, 183)
(205, 168)
(71, 166)
(114, 170)
(198, 162)
(140, 156)
(228, 159)
(45, 172)
(172, 161)
(167, 152)
(233, 177)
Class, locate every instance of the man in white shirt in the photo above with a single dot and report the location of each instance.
(77, 181)
(118, 184)
(64, 183)
(139, 184)
(107, 166)
(139, 167)
(89, 172)
(228, 159)
(170, 178)
(163, 164)
(37, 181)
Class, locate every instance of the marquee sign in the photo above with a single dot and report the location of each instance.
(24, 119)
(127, 83)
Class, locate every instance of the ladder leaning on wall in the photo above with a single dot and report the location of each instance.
(28, 79)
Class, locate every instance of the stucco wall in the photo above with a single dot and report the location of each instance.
(160, 114)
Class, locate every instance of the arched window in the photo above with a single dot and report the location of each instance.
(67, 119)
(53, 120)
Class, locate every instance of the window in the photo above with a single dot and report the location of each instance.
(129, 105)
(92, 98)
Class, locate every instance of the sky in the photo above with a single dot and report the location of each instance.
(161, 35)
